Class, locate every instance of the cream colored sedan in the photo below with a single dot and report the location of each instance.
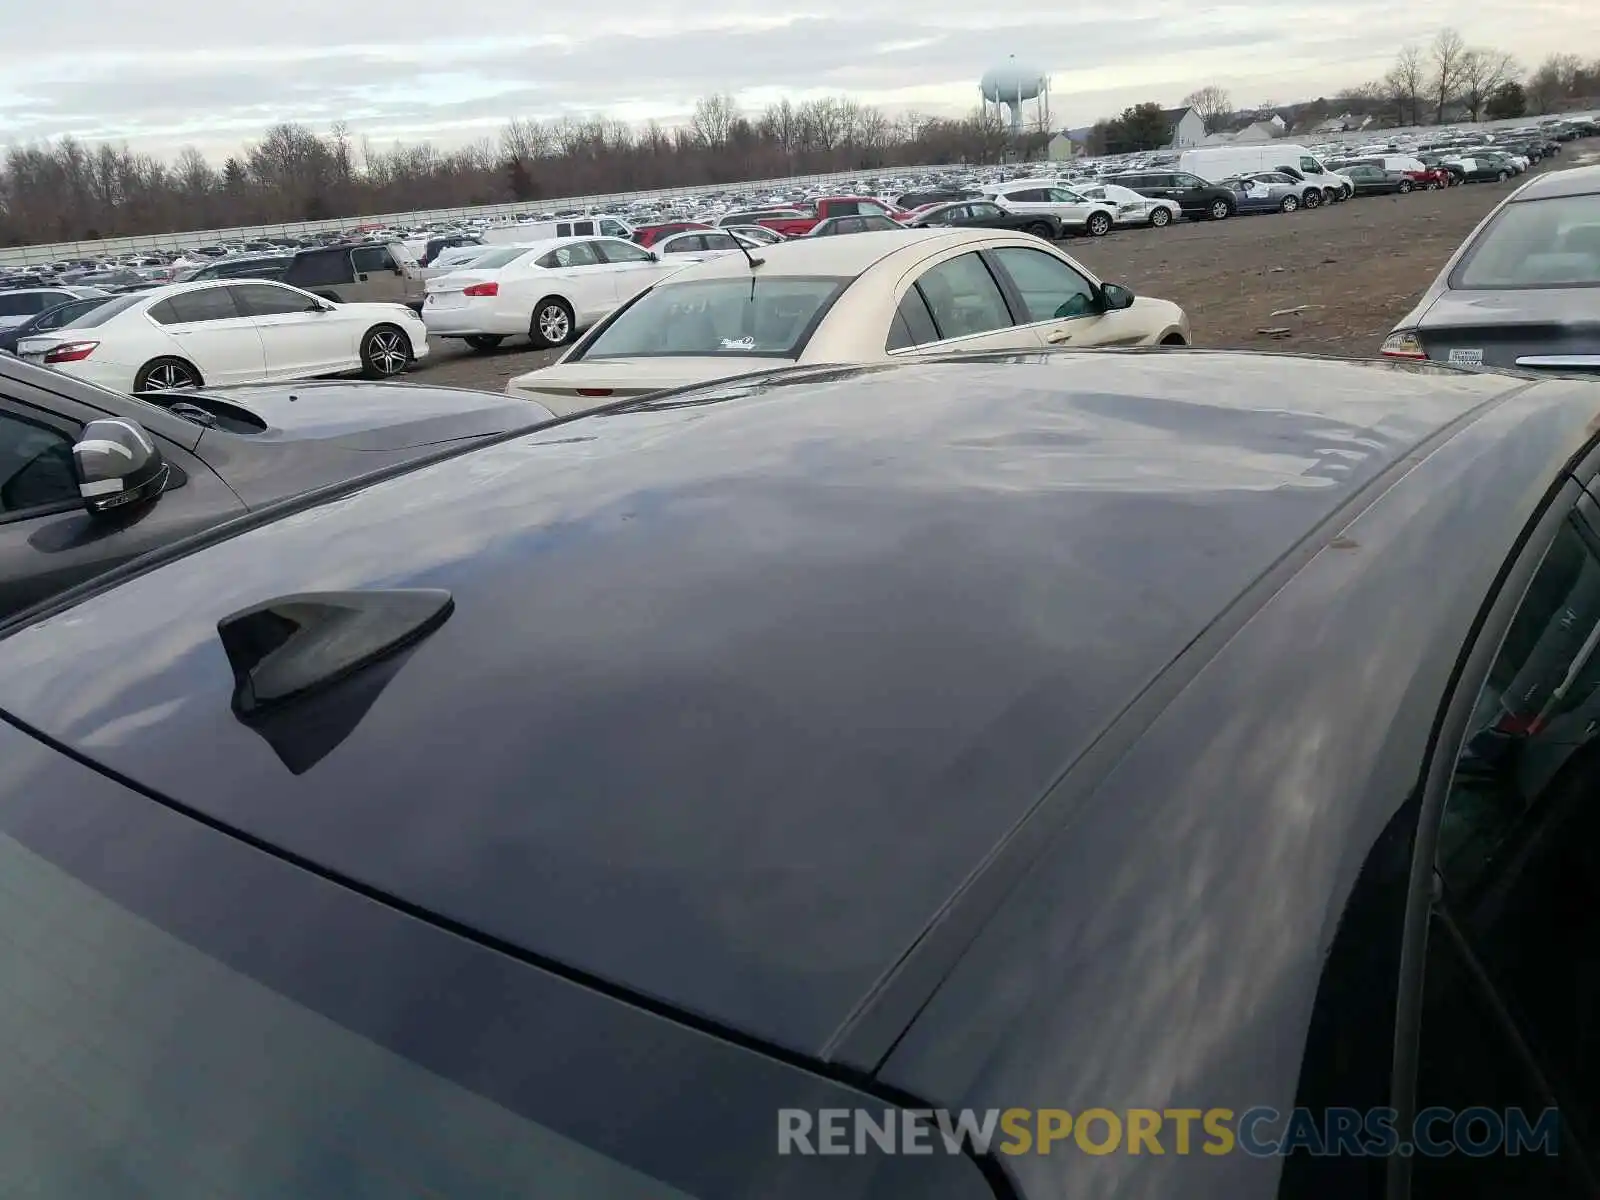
(870, 297)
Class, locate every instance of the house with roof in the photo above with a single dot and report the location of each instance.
(1069, 144)
(1188, 128)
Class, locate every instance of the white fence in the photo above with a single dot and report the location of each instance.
(22, 256)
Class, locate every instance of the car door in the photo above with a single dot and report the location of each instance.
(592, 284)
(956, 304)
(1060, 304)
(208, 329)
(48, 541)
(632, 268)
(1027, 200)
(300, 336)
(378, 276)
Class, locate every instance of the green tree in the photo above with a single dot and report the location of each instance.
(1141, 127)
(1508, 100)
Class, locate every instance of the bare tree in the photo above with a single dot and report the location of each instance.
(1483, 71)
(1446, 57)
(1212, 103)
(713, 115)
(1554, 81)
(1404, 85)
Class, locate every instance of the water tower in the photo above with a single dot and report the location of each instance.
(1011, 85)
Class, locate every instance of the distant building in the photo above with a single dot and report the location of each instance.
(1188, 128)
(1260, 131)
(1069, 144)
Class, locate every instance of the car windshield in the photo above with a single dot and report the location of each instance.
(768, 317)
(491, 259)
(103, 313)
(1536, 243)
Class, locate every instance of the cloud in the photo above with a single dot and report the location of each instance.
(172, 72)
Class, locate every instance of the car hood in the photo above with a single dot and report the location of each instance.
(354, 415)
(558, 387)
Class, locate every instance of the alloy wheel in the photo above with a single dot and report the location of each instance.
(553, 324)
(169, 377)
(387, 351)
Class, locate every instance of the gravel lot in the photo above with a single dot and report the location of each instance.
(1355, 267)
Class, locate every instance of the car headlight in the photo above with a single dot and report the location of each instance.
(1403, 343)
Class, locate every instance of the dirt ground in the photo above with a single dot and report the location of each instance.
(1351, 270)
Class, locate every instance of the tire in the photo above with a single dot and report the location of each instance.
(484, 341)
(1500, 178)
(1334, 197)
(385, 352)
(1312, 199)
(1042, 229)
(1099, 224)
(1405, 187)
(167, 375)
(1160, 218)
(1433, 185)
(1290, 204)
(1220, 210)
(551, 324)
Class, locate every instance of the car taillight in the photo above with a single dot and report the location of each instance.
(1403, 344)
(481, 289)
(70, 352)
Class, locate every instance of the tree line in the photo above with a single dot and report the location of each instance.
(68, 191)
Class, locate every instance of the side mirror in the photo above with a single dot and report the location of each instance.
(117, 464)
(1116, 297)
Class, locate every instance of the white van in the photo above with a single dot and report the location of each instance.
(539, 231)
(1216, 163)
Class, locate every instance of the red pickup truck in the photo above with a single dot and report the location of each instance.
(832, 206)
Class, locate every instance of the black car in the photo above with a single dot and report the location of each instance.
(436, 245)
(1194, 195)
(56, 317)
(764, 790)
(1371, 180)
(251, 266)
(910, 200)
(1523, 290)
(984, 214)
(865, 223)
(228, 450)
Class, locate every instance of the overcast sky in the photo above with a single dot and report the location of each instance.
(162, 74)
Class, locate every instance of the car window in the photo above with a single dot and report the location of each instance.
(963, 297)
(912, 324)
(1064, 196)
(718, 241)
(35, 466)
(1518, 847)
(24, 304)
(1051, 290)
(64, 314)
(367, 259)
(984, 212)
(1310, 165)
(622, 252)
(320, 269)
(574, 254)
(1536, 243)
(843, 208)
(204, 304)
(613, 228)
(685, 243)
(264, 300)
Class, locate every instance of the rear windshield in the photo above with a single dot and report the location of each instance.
(102, 314)
(1536, 243)
(764, 317)
(498, 258)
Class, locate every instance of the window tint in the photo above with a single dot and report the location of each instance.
(368, 259)
(964, 298)
(1189, 181)
(686, 243)
(1519, 839)
(1065, 196)
(35, 466)
(1050, 289)
(613, 228)
(1028, 196)
(880, 223)
(104, 310)
(770, 316)
(843, 208)
(575, 254)
(1534, 243)
(912, 324)
(871, 208)
(204, 304)
(264, 300)
(984, 212)
(622, 252)
(321, 268)
(64, 314)
(718, 241)
(28, 304)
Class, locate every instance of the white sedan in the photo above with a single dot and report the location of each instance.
(869, 297)
(217, 332)
(702, 243)
(548, 290)
(1132, 208)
